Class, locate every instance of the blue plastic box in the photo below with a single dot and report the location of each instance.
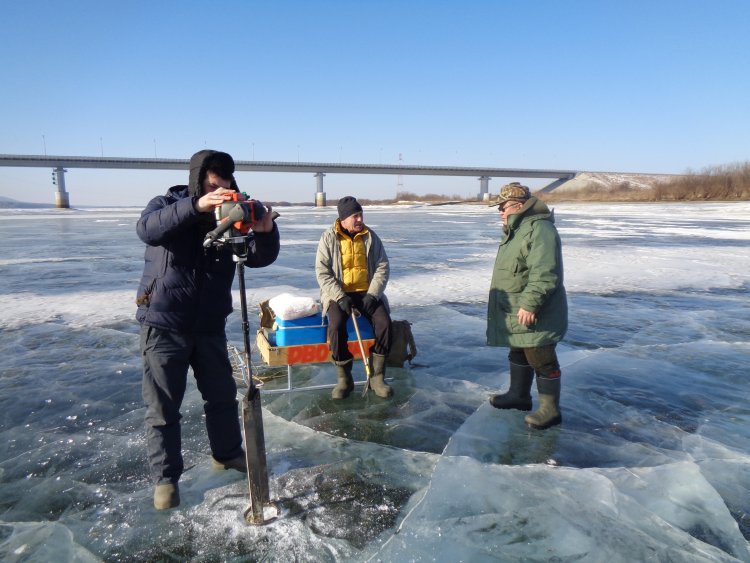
(365, 329)
(312, 330)
(297, 335)
(294, 332)
(312, 320)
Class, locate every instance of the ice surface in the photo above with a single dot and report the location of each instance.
(651, 462)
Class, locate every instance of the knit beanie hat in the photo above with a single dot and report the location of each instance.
(348, 206)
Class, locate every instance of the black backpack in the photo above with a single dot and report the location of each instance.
(403, 347)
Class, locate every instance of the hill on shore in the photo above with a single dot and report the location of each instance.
(722, 183)
(10, 203)
(607, 182)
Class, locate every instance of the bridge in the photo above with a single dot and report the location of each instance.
(59, 164)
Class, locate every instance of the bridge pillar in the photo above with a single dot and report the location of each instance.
(61, 196)
(484, 194)
(320, 195)
(554, 185)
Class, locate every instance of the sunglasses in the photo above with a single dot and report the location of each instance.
(509, 205)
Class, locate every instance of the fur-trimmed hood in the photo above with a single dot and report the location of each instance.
(198, 172)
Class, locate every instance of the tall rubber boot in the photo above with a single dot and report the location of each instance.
(518, 395)
(548, 413)
(377, 379)
(166, 496)
(345, 383)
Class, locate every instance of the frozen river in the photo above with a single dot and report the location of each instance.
(652, 462)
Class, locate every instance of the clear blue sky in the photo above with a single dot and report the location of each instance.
(630, 86)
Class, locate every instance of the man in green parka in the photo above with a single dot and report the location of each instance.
(528, 309)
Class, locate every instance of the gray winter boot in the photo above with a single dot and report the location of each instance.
(377, 383)
(548, 413)
(518, 395)
(345, 383)
(166, 496)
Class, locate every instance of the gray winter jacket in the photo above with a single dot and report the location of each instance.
(328, 269)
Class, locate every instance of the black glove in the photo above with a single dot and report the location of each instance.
(345, 303)
(370, 303)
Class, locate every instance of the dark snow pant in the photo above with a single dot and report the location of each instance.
(338, 335)
(542, 358)
(166, 358)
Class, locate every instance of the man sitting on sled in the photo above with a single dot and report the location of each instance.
(352, 270)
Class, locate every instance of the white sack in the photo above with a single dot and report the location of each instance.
(288, 307)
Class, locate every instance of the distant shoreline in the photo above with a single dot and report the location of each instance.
(21, 206)
(721, 183)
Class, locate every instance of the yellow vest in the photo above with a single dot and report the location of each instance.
(353, 260)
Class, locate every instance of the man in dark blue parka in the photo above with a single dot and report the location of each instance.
(183, 299)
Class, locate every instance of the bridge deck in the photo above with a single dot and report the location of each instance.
(269, 166)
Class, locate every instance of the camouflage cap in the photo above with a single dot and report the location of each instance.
(512, 192)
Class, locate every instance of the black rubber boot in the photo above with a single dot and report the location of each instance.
(377, 379)
(238, 463)
(345, 383)
(548, 413)
(518, 395)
